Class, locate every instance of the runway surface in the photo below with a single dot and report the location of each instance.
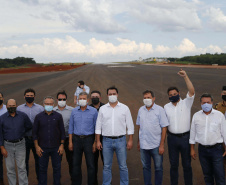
(131, 80)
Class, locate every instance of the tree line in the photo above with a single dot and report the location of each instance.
(207, 58)
(15, 62)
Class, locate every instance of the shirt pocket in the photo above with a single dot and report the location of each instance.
(214, 127)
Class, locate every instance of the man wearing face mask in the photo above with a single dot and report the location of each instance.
(208, 128)
(3, 110)
(13, 126)
(152, 126)
(96, 103)
(178, 112)
(81, 88)
(31, 109)
(114, 120)
(82, 126)
(65, 111)
(49, 135)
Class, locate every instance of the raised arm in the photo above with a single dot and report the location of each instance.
(188, 82)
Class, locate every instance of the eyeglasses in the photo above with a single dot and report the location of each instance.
(62, 99)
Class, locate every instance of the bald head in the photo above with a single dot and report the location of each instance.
(11, 103)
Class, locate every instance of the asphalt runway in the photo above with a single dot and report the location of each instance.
(131, 80)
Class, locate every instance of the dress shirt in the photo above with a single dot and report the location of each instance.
(48, 129)
(66, 114)
(3, 110)
(83, 122)
(79, 90)
(151, 123)
(31, 112)
(179, 116)
(13, 128)
(114, 121)
(208, 129)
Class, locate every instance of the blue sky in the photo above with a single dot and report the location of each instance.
(110, 30)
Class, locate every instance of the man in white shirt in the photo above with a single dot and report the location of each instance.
(81, 88)
(114, 119)
(178, 112)
(208, 128)
(152, 126)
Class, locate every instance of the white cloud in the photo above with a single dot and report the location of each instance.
(217, 19)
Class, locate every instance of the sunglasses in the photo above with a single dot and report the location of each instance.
(62, 99)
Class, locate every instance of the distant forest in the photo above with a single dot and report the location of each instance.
(207, 58)
(15, 62)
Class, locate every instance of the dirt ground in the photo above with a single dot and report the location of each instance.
(131, 80)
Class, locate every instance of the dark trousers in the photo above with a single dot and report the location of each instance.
(179, 145)
(81, 145)
(69, 156)
(96, 157)
(56, 164)
(30, 146)
(1, 166)
(212, 163)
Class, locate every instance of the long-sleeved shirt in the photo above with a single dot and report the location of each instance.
(31, 113)
(79, 90)
(66, 114)
(114, 121)
(208, 129)
(151, 123)
(83, 122)
(48, 129)
(179, 116)
(14, 128)
(3, 110)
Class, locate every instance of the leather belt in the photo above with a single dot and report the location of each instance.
(14, 141)
(211, 146)
(83, 136)
(114, 137)
(179, 135)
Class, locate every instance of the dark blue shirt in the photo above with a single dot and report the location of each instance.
(48, 129)
(14, 128)
(83, 122)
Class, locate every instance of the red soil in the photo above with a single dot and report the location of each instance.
(40, 68)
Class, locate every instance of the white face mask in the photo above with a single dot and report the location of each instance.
(112, 98)
(82, 103)
(147, 102)
(62, 103)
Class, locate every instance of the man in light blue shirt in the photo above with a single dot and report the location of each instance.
(82, 125)
(152, 126)
(81, 88)
(3, 110)
(31, 109)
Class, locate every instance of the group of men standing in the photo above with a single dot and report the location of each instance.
(48, 130)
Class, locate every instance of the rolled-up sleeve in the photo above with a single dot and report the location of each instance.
(129, 122)
(192, 131)
(163, 119)
(99, 122)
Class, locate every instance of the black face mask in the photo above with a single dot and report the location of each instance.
(11, 109)
(224, 97)
(1, 102)
(29, 99)
(95, 101)
(174, 99)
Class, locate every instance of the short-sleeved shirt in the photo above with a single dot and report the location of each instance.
(3, 110)
(66, 114)
(151, 123)
(31, 112)
(179, 116)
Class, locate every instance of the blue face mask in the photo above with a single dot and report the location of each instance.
(174, 99)
(206, 107)
(48, 108)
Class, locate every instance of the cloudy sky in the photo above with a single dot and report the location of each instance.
(110, 30)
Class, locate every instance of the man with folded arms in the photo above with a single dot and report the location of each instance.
(114, 120)
(208, 128)
(82, 125)
(13, 126)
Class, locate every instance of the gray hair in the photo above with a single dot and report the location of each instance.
(48, 97)
(83, 93)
